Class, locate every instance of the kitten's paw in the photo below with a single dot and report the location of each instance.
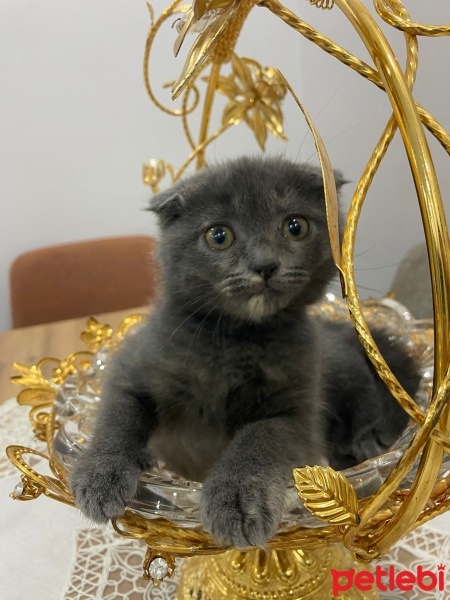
(103, 484)
(238, 513)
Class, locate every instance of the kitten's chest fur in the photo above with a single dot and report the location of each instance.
(218, 385)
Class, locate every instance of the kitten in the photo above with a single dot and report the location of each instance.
(361, 418)
(230, 381)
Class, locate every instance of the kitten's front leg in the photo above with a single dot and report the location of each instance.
(243, 497)
(106, 474)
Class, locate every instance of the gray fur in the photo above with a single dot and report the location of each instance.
(228, 382)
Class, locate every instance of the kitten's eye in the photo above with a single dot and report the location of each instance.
(219, 237)
(296, 228)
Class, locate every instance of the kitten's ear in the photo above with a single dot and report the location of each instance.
(168, 205)
(316, 179)
(339, 179)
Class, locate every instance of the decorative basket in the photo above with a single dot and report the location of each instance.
(64, 396)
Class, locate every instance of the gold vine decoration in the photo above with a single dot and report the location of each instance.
(222, 23)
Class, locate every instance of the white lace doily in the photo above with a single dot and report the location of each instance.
(424, 547)
(15, 428)
(109, 567)
(105, 566)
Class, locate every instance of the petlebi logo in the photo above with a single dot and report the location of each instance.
(388, 579)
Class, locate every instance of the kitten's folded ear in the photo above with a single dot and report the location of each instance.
(316, 179)
(339, 179)
(168, 205)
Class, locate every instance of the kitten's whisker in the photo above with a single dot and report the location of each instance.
(336, 285)
(370, 289)
(346, 130)
(365, 251)
(191, 287)
(236, 289)
(183, 322)
(229, 282)
(193, 211)
(224, 329)
(357, 270)
(200, 325)
(217, 328)
(296, 274)
(193, 301)
(302, 269)
(308, 131)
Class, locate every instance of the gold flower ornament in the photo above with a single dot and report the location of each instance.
(255, 95)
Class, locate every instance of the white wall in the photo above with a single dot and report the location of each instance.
(353, 121)
(76, 123)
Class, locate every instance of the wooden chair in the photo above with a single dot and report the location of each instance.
(82, 279)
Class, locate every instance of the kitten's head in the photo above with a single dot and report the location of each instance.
(248, 238)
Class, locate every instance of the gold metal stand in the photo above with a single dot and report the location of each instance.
(271, 575)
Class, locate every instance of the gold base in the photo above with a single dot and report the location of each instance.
(271, 575)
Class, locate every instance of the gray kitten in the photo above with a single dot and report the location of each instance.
(231, 382)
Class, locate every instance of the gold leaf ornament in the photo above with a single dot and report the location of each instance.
(256, 122)
(127, 324)
(31, 376)
(255, 95)
(329, 184)
(96, 335)
(327, 495)
(37, 396)
(233, 113)
(63, 370)
(223, 18)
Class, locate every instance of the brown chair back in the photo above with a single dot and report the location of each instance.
(82, 278)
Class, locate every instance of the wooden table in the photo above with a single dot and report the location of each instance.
(30, 344)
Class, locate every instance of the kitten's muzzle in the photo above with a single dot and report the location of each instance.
(266, 270)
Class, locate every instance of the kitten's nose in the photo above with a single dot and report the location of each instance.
(267, 270)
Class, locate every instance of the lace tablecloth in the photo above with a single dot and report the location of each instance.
(49, 552)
